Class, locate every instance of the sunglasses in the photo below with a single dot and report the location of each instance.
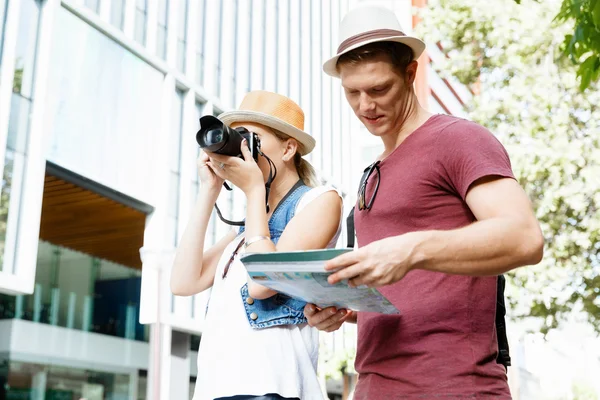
(230, 261)
(363, 204)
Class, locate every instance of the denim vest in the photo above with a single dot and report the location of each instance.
(278, 309)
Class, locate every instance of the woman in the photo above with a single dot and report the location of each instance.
(256, 343)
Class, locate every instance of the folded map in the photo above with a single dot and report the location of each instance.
(301, 275)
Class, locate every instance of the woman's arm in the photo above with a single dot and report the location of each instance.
(194, 269)
(311, 228)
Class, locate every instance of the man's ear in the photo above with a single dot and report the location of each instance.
(411, 72)
(290, 149)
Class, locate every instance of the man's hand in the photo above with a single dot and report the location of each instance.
(380, 263)
(328, 319)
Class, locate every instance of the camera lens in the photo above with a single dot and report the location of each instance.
(213, 136)
(217, 137)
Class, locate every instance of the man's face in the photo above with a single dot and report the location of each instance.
(378, 93)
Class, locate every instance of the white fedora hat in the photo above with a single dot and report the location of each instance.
(369, 24)
(274, 111)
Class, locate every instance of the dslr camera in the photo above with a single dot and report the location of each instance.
(219, 138)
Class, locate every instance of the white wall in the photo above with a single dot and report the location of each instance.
(44, 344)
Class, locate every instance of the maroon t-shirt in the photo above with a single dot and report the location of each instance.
(443, 343)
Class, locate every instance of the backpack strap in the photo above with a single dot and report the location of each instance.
(350, 232)
(350, 229)
(503, 349)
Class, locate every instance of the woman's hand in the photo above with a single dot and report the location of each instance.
(209, 179)
(243, 173)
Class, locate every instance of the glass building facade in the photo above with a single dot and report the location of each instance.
(108, 93)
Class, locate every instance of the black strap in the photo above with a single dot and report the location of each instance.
(272, 175)
(228, 222)
(350, 229)
(503, 349)
(350, 232)
(243, 223)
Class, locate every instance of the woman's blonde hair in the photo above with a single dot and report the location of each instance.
(306, 172)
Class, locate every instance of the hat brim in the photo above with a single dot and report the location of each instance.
(417, 46)
(307, 141)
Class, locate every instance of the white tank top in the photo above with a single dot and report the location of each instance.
(235, 359)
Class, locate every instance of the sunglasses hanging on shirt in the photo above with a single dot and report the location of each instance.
(363, 204)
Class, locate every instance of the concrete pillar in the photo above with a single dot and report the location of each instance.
(38, 385)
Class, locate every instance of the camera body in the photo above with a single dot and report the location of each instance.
(219, 138)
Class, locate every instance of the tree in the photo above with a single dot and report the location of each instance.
(507, 55)
(582, 45)
(582, 391)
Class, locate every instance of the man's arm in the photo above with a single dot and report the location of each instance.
(505, 236)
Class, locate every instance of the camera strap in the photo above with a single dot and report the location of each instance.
(272, 175)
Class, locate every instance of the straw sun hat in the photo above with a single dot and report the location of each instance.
(274, 111)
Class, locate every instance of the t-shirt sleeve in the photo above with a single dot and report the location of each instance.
(471, 152)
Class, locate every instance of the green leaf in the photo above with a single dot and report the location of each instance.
(587, 71)
(564, 13)
(568, 46)
(596, 13)
(596, 73)
(586, 78)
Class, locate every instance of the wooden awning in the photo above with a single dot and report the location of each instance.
(85, 220)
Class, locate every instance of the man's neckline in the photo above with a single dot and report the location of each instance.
(403, 143)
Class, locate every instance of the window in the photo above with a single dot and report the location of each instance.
(92, 5)
(276, 57)
(289, 46)
(250, 19)
(236, 24)
(58, 382)
(200, 43)
(18, 131)
(195, 178)
(117, 11)
(117, 122)
(141, 19)
(182, 34)
(264, 44)
(218, 67)
(3, 12)
(77, 291)
(300, 48)
(161, 33)
(175, 165)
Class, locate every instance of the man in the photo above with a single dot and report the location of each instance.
(438, 218)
